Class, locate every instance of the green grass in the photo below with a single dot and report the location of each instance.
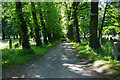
(5, 43)
(12, 57)
(102, 54)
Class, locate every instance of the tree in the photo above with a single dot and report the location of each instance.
(4, 23)
(84, 18)
(23, 26)
(101, 28)
(37, 29)
(70, 27)
(44, 32)
(110, 19)
(52, 21)
(76, 27)
(93, 40)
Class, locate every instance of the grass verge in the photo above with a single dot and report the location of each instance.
(103, 55)
(11, 57)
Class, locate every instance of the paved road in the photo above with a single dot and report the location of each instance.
(59, 62)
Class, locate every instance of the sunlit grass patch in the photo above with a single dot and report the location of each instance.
(5, 44)
(102, 55)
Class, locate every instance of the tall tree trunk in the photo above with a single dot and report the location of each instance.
(10, 43)
(20, 41)
(70, 27)
(13, 36)
(100, 31)
(9, 37)
(70, 32)
(44, 32)
(3, 34)
(75, 8)
(37, 34)
(44, 35)
(54, 37)
(77, 30)
(17, 36)
(4, 24)
(94, 42)
(23, 26)
(49, 37)
(31, 32)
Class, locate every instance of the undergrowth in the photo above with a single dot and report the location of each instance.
(102, 54)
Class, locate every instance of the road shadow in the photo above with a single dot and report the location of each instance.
(59, 62)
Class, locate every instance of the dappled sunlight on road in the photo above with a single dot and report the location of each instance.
(64, 57)
(22, 76)
(68, 43)
(77, 69)
(37, 76)
(67, 49)
(58, 62)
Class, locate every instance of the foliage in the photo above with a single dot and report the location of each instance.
(51, 17)
(58, 19)
(84, 18)
(112, 18)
